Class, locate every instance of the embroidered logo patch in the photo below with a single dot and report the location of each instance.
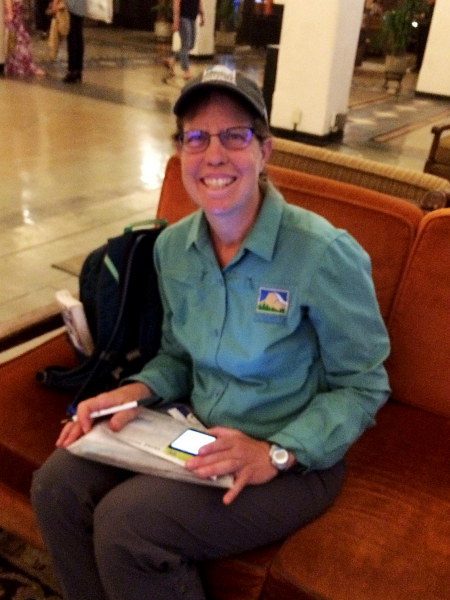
(271, 301)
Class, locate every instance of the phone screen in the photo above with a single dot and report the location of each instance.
(191, 441)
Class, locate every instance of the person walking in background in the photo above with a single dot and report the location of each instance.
(75, 39)
(184, 16)
(42, 17)
(19, 59)
(2, 37)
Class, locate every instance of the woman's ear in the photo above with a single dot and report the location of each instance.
(266, 149)
(177, 147)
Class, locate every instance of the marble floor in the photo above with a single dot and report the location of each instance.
(79, 162)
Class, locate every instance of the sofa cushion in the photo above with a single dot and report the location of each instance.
(420, 322)
(239, 577)
(387, 536)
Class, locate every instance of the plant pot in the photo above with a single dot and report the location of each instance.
(163, 30)
(225, 40)
(396, 64)
(395, 69)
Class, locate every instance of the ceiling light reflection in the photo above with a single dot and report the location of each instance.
(27, 217)
(152, 167)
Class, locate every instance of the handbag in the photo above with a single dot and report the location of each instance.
(100, 10)
(59, 29)
(11, 41)
(62, 19)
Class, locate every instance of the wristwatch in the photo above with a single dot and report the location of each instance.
(279, 457)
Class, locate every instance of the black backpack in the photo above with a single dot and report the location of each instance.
(119, 292)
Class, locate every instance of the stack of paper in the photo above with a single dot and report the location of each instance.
(141, 446)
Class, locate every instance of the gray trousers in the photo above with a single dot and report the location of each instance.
(118, 535)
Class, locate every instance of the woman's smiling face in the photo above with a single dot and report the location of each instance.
(223, 182)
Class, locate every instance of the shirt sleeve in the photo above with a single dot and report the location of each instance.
(353, 344)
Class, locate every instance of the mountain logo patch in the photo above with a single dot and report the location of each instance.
(272, 301)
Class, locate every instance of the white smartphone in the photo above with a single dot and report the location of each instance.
(190, 441)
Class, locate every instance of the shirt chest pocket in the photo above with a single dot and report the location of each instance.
(184, 291)
(196, 306)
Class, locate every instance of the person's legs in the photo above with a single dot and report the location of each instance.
(119, 536)
(187, 36)
(75, 49)
(64, 494)
(149, 532)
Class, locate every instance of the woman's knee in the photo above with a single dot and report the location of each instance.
(49, 482)
(119, 542)
(68, 483)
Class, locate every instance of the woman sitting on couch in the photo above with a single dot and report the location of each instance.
(271, 328)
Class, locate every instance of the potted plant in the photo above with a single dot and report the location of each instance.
(164, 17)
(227, 21)
(395, 35)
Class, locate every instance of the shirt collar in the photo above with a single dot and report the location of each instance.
(261, 238)
(263, 235)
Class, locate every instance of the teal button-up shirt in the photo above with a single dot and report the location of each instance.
(286, 343)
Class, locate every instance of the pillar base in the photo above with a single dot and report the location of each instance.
(431, 96)
(308, 138)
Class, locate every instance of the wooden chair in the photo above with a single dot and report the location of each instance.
(438, 161)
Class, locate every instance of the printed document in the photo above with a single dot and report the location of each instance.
(143, 445)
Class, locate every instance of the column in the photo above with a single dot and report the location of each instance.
(315, 67)
(434, 76)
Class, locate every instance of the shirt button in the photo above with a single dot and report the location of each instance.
(216, 333)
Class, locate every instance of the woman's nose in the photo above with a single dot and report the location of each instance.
(215, 152)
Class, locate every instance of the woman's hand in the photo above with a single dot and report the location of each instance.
(234, 453)
(127, 393)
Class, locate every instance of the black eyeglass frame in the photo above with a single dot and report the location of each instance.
(204, 143)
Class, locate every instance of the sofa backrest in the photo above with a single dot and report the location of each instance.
(419, 364)
(385, 226)
(389, 179)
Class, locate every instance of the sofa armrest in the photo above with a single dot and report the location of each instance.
(435, 199)
(29, 326)
(437, 132)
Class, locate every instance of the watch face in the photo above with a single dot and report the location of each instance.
(279, 457)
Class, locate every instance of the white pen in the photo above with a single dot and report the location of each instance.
(104, 412)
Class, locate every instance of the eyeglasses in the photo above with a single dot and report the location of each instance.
(233, 138)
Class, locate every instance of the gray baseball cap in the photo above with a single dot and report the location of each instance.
(222, 77)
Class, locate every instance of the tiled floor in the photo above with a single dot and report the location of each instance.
(80, 162)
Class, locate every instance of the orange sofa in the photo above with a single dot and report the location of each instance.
(387, 537)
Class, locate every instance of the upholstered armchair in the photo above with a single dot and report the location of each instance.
(438, 161)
